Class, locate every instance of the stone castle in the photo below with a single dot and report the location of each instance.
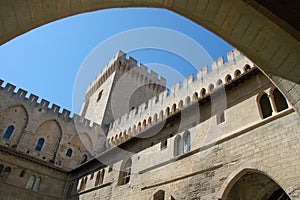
(227, 133)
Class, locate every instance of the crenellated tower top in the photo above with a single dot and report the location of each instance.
(121, 80)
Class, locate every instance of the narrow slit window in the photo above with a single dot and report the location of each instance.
(8, 132)
(187, 142)
(125, 172)
(40, 144)
(265, 106)
(30, 182)
(22, 173)
(279, 100)
(99, 95)
(159, 195)
(37, 184)
(69, 153)
(178, 145)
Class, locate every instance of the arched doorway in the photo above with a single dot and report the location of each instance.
(254, 185)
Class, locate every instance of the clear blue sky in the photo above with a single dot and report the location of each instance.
(46, 61)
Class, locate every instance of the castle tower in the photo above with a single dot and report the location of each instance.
(120, 87)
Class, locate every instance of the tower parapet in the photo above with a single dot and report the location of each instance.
(122, 63)
(180, 95)
(91, 138)
(122, 78)
(36, 102)
(33, 100)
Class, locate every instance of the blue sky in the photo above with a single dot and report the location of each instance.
(48, 61)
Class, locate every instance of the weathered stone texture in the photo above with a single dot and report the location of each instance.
(233, 150)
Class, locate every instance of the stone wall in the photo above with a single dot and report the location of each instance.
(14, 185)
(220, 153)
(229, 138)
(32, 120)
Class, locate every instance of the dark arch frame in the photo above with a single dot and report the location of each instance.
(234, 178)
(125, 172)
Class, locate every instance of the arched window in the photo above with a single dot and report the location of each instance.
(6, 173)
(69, 153)
(40, 144)
(279, 100)
(178, 146)
(125, 172)
(8, 132)
(100, 177)
(99, 95)
(265, 106)
(30, 182)
(187, 142)
(37, 184)
(22, 173)
(7, 170)
(159, 195)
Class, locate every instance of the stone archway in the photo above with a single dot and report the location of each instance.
(259, 31)
(253, 185)
(15, 117)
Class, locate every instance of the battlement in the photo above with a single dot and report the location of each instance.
(157, 108)
(124, 64)
(180, 95)
(34, 101)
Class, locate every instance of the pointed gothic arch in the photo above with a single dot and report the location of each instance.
(252, 184)
(159, 195)
(49, 130)
(278, 100)
(265, 107)
(10, 129)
